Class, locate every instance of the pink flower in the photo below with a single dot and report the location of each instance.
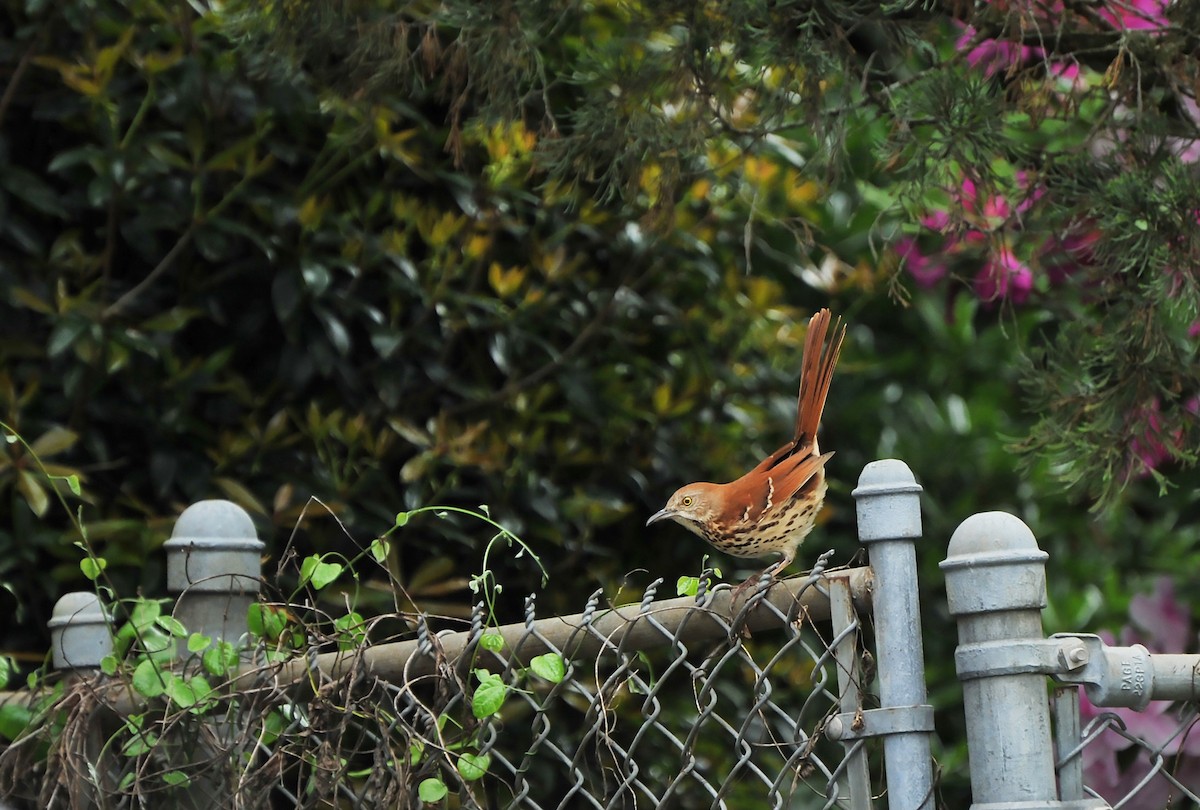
(1135, 15)
(1153, 448)
(1062, 256)
(1148, 448)
(1033, 191)
(1068, 77)
(936, 221)
(991, 213)
(1004, 276)
(1165, 623)
(993, 55)
(926, 271)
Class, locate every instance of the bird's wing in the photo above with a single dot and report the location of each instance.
(775, 481)
(801, 477)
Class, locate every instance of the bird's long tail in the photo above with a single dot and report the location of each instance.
(816, 372)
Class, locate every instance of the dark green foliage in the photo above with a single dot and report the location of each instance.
(556, 259)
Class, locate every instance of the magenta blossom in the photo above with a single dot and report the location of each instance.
(926, 270)
(1153, 448)
(1063, 256)
(993, 55)
(1004, 276)
(1149, 448)
(1135, 15)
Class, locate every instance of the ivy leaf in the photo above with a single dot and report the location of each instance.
(92, 567)
(352, 630)
(318, 572)
(549, 666)
(687, 586)
(72, 483)
(202, 690)
(473, 766)
(490, 694)
(197, 642)
(172, 626)
(13, 720)
(180, 691)
(492, 642)
(432, 790)
(176, 778)
(220, 658)
(379, 549)
(145, 613)
(148, 680)
(266, 621)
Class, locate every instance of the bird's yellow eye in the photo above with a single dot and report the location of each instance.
(687, 500)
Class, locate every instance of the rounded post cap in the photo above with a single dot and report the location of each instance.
(993, 564)
(885, 477)
(989, 533)
(79, 634)
(79, 607)
(214, 524)
(887, 502)
(214, 548)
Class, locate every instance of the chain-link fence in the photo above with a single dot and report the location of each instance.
(770, 700)
(684, 702)
(693, 710)
(1146, 759)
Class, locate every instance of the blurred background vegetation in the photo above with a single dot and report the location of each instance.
(557, 258)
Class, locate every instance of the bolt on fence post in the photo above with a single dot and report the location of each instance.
(888, 502)
(996, 589)
(213, 564)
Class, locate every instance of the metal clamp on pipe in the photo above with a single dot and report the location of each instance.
(1042, 656)
(1111, 676)
(879, 722)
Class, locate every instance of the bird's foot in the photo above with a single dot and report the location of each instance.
(768, 574)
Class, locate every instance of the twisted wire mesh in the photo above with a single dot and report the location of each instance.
(1145, 760)
(689, 724)
(662, 704)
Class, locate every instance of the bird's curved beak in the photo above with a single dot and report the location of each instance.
(661, 514)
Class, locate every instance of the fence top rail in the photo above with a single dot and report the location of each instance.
(596, 630)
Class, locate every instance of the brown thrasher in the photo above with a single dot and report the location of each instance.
(772, 508)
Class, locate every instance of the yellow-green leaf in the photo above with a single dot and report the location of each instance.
(240, 495)
(505, 281)
(30, 487)
(53, 441)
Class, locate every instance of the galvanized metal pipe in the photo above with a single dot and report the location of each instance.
(996, 588)
(888, 500)
(582, 635)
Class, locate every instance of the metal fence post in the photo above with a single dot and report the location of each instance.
(213, 564)
(888, 500)
(996, 589)
(80, 636)
(80, 639)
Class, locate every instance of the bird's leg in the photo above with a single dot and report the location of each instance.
(740, 589)
(770, 571)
